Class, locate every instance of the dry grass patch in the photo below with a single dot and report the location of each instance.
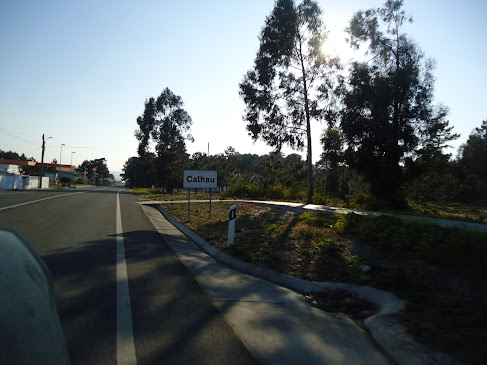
(439, 271)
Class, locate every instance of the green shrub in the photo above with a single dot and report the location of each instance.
(457, 249)
(275, 192)
(298, 192)
(365, 201)
(368, 201)
(278, 192)
(244, 190)
(319, 198)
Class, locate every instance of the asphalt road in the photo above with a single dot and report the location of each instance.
(164, 313)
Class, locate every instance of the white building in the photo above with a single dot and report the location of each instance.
(9, 168)
(11, 177)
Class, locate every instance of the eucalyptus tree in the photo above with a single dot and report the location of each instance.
(281, 91)
(167, 125)
(388, 113)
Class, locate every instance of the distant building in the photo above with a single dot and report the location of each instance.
(10, 169)
(13, 176)
(14, 166)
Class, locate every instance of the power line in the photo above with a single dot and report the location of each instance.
(19, 133)
(12, 134)
(103, 148)
(92, 147)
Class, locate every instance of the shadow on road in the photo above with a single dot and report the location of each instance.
(84, 280)
(173, 320)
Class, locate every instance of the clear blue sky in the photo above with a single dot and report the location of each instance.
(79, 71)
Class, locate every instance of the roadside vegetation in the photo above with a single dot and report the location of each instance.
(474, 212)
(441, 272)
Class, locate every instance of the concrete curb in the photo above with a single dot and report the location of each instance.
(389, 335)
(387, 302)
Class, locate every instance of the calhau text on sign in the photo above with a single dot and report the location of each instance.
(200, 179)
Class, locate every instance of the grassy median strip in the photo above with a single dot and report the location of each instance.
(440, 271)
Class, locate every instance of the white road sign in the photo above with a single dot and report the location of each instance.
(196, 179)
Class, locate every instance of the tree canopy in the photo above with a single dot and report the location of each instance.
(14, 156)
(280, 92)
(384, 134)
(388, 112)
(166, 124)
(97, 176)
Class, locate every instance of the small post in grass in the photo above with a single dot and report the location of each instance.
(231, 225)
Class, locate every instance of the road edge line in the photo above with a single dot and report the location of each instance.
(125, 335)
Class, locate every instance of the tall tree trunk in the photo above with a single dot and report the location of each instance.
(396, 172)
(309, 160)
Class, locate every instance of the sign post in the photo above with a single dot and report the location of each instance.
(93, 175)
(189, 199)
(231, 225)
(199, 179)
(210, 202)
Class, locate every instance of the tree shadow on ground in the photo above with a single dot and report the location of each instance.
(173, 320)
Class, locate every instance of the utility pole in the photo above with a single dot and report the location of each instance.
(59, 173)
(42, 159)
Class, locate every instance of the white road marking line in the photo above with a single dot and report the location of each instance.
(39, 200)
(125, 335)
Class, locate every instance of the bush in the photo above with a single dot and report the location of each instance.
(244, 190)
(298, 192)
(365, 201)
(368, 201)
(278, 192)
(319, 198)
(460, 250)
(257, 191)
(434, 186)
